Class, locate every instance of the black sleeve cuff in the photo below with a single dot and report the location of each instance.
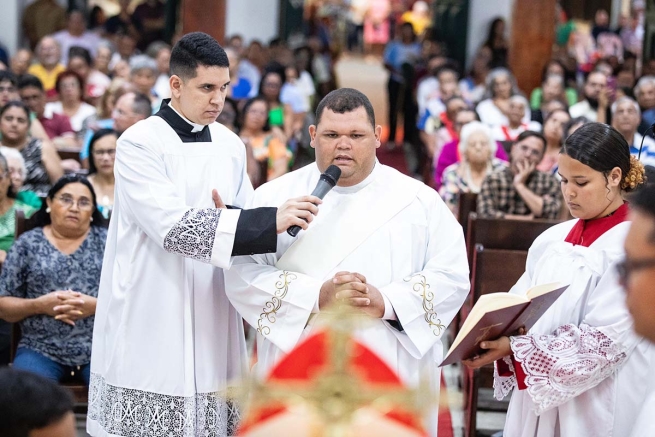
(256, 232)
(396, 325)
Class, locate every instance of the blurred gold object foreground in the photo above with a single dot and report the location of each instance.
(336, 396)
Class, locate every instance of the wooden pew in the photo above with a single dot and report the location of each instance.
(495, 270)
(506, 234)
(467, 205)
(73, 154)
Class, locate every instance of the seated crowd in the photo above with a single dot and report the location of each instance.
(64, 102)
(488, 97)
(63, 110)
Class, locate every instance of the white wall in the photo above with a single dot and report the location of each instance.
(481, 13)
(11, 31)
(254, 19)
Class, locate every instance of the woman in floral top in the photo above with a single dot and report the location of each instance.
(49, 282)
(477, 149)
(8, 206)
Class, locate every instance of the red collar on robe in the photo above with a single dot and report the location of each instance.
(448, 124)
(585, 232)
(508, 135)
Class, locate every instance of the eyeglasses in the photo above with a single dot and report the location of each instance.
(532, 152)
(272, 85)
(627, 267)
(110, 152)
(7, 89)
(68, 202)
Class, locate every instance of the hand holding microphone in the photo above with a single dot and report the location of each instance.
(296, 214)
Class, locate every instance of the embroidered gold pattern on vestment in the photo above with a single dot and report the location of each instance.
(423, 288)
(273, 306)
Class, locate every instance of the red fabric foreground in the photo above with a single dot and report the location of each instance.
(310, 358)
(445, 424)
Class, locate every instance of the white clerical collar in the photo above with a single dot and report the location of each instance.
(196, 127)
(355, 188)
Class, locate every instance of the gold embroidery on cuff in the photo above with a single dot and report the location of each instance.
(273, 306)
(423, 288)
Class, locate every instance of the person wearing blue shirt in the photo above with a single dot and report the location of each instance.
(130, 108)
(400, 55)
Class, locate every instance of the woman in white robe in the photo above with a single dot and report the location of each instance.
(580, 370)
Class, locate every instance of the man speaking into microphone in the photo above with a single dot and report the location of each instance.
(382, 243)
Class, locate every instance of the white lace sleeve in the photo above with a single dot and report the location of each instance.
(503, 385)
(193, 236)
(559, 367)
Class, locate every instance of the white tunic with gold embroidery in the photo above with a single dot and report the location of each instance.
(395, 231)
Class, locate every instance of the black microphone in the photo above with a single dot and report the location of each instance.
(326, 182)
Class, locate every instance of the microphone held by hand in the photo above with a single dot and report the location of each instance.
(326, 182)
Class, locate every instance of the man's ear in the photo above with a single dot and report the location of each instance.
(378, 135)
(312, 134)
(176, 83)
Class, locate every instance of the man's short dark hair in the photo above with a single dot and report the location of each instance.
(29, 80)
(8, 76)
(447, 67)
(196, 49)
(142, 105)
(469, 109)
(29, 402)
(345, 100)
(80, 52)
(530, 133)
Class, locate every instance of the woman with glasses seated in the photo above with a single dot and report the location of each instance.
(580, 370)
(49, 282)
(102, 150)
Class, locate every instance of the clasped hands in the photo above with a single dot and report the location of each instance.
(67, 306)
(352, 290)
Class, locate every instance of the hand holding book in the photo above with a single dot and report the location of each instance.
(495, 350)
(494, 317)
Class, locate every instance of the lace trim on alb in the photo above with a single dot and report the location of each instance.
(193, 236)
(561, 366)
(503, 385)
(136, 413)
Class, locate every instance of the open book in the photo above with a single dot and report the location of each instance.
(497, 314)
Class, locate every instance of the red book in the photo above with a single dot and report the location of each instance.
(497, 314)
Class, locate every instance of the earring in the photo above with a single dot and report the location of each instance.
(91, 218)
(48, 210)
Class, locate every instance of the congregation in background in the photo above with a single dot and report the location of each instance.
(471, 141)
